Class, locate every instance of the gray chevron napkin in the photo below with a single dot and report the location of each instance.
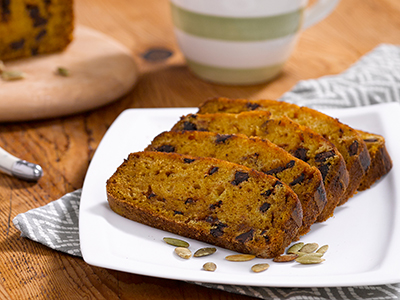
(374, 79)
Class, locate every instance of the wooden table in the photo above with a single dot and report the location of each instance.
(64, 146)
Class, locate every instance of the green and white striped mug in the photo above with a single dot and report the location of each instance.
(242, 41)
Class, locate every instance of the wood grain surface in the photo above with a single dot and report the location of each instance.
(64, 146)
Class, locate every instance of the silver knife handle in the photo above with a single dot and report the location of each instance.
(19, 168)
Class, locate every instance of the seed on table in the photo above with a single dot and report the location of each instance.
(176, 242)
(323, 249)
(309, 247)
(257, 268)
(240, 257)
(295, 248)
(12, 75)
(204, 251)
(210, 266)
(309, 259)
(285, 258)
(183, 252)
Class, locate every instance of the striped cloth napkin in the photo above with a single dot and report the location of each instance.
(374, 79)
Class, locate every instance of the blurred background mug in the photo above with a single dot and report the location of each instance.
(242, 42)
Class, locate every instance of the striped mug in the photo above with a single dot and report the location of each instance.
(242, 41)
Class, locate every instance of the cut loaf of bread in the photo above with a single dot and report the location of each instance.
(347, 140)
(207, 199)
(260, 155)
(299, 141)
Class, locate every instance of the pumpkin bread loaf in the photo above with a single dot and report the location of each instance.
(31, 27)
(299, 141)
(381, 163)
(260, 155)
(207, 199)
(347, 140)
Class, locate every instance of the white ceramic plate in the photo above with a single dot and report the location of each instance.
(363, 236)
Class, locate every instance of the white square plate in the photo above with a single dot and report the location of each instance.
(363, 236)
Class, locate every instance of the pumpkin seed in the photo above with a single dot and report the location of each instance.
(204, 251)
(285, 258)
(210, 266)
(176, 242)
(12, 75)
(257, 268)
(183, 252)
(323, 249)
(306, 253)
(309, 259)
(240, 257)
(295, 248)
(309, 247)
(63, 71)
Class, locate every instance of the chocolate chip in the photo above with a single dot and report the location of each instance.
(41, 34)
(353, 149)
(301, 153)
(281, 168)
(216, 205)
(265, 207)
(323, 156)
(218, 229)
(18, 44)
(151, 195)
(34, 51)
(324, 169)
(189, 126)
(189, 201)
(370, 140)
(298, 180)
(34, 13)
(221, 138)
(5, 10)
(252, 106)
(188, 160)
(177, 212)
(213, 170)
(166, 148)
(211, 219)
(267, 239)
(245, 237)
(267, 193)
(240, 177)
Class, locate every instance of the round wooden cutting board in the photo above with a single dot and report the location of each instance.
(101, 70)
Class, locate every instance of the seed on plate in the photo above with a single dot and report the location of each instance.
(285, 258)
(309, 259)
(309, 247)
(323, 249)
(176, 242)
(210, 266)
(204, 251)
(306, 253)
(295, 248)
(240, 257)
(183, 252)
(12, 75)
(257, 268)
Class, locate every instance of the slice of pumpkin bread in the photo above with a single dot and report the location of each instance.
(260, 155)
(207, 199)
(299, 141)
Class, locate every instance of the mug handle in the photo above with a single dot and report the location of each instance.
(318, 12)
